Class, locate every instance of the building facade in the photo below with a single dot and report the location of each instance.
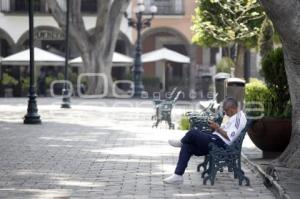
(14, 33)
(170, 28)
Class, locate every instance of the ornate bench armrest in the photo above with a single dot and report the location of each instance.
(228, 150)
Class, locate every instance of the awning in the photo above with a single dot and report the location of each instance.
(41, 57)
(165, 54)
(118, 59)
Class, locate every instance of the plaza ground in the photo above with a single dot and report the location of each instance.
(103, 148)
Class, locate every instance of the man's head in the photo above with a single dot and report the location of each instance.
(230, 106)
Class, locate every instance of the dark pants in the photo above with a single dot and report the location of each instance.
(195, 143)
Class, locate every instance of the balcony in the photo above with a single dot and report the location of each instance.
(166, 7)
(20, 7)
(40, 7)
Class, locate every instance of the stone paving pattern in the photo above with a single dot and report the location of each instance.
(99, 149)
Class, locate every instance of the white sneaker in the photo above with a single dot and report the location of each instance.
(175, 143)
(174, 179)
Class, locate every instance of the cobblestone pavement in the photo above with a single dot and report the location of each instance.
(99, 149)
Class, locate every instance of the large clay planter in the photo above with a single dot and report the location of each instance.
(271, 134)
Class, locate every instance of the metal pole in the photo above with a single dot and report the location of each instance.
(66, 99)
(32, 116)
(138, 65)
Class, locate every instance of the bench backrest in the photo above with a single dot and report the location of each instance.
(200, 122)
(177, 96)
(237, 144)
(172, 94)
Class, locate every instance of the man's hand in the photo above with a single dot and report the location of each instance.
(217, 128)
(213, 125)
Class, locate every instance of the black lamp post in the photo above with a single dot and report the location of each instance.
(32, 116)
(66, 98)
(139, 23)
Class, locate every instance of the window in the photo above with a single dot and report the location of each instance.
(89, 6)
(213, 53)
(4, 48)
(166, 7)
(22, 6)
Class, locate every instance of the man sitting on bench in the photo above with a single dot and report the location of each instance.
(196, 143)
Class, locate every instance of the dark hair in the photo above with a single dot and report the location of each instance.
(231, 102)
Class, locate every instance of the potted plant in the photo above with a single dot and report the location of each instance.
(8, 82)
(25, 85)
(57, 88)
(271, 130)
(184, 123)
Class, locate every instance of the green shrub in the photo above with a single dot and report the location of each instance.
(73, 77)
(50, 78)
(25, 81)
(148, 81)
(9, 80)
(255, 92)
(184, 123)
(276, 80)
(177, 81)
(225, 65)
(151, 82)
(273, 108)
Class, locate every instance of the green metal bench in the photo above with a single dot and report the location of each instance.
(199, 121)
(164, 110)
(230, 157)
(218, 157)
(170, 97)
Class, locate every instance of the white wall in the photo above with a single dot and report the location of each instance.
(16, 26)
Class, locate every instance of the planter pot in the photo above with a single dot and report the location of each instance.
(271, 134)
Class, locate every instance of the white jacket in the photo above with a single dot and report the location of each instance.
(233, 127)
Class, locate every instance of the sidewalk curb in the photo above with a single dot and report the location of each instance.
(269, 181)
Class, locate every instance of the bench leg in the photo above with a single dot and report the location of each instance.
(211, 176)
(171, 125)
(169, 121)
(156, 123)
(203, 164)
(204, 173)
(246, 180)
(241, 176)
(153, 117)
(211, 171)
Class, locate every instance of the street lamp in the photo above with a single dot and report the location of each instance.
(32, 116)
(66, 98)
(139, 23)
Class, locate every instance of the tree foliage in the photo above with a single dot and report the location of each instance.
(225, 65)
(223, 22)
(265, 40)
(276, 79)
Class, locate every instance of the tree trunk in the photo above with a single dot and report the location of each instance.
(96, 48)
(240, 61)
(286, 21)
(92, 63)
(291, 155)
